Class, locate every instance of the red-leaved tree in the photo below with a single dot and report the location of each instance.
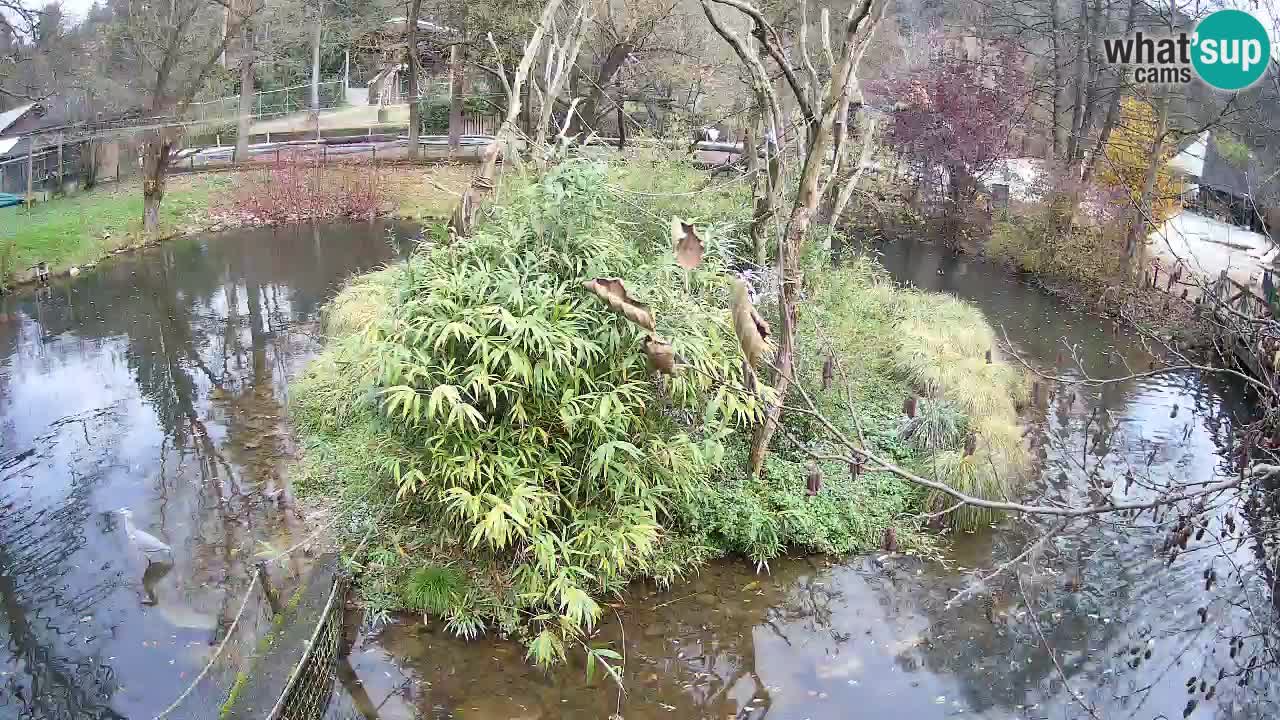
(953, 117)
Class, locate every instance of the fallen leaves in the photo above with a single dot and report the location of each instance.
(662, 357)
(752, 330)
(614, 293)
(688, 246)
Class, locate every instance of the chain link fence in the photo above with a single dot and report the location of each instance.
(271, 103)
(310, 687)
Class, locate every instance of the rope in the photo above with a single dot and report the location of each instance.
(244, 603)
(217, 653)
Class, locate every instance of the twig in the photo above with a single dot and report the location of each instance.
(1035, 622)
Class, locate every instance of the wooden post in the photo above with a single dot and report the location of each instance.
(30, 171)
(273, 599)
(61, 189)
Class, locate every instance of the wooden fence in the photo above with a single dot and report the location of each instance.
(1240, 313)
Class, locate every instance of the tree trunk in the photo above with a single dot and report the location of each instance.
(1097, 18)
(457, 88)
(244, 117)
(155, 171)
(1074, 140)
(1135, 249)
(315, 66)
(414, 70)
(789, 293)
(588, 112)
(1113, 109)
(1059, 88)
(806, 203)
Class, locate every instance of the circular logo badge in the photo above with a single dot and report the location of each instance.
(1231, 49)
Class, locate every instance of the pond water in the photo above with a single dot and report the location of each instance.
(157, 382)
(878, 636)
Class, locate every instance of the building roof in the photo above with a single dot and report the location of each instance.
(10, 117)
(1190, 160)
(423, 24)
(1220, 174)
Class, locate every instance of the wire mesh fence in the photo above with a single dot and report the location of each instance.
(310, 688)
(271, 103)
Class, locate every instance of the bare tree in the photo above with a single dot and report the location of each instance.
(819, 102)
(248, 59)
(178, 43)
(623, 30)
(562, 56)
(463, 220)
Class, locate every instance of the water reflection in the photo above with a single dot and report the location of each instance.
(880, 636)
(156, 382)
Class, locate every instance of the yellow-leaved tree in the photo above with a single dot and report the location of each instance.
(1127, 155)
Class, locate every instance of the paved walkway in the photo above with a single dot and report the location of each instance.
(348, 117)
(1207, 247)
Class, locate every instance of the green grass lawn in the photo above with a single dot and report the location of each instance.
(83, 227)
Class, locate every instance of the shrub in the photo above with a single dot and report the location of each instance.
(1127, 155)
(434, 112)
(293, 189)
(538, 440)
(938, 425)
(500, 428)
(1091, 254)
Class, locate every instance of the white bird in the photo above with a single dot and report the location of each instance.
(151, 546)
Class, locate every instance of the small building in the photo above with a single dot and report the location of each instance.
(1224, 179)
(55, 151)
